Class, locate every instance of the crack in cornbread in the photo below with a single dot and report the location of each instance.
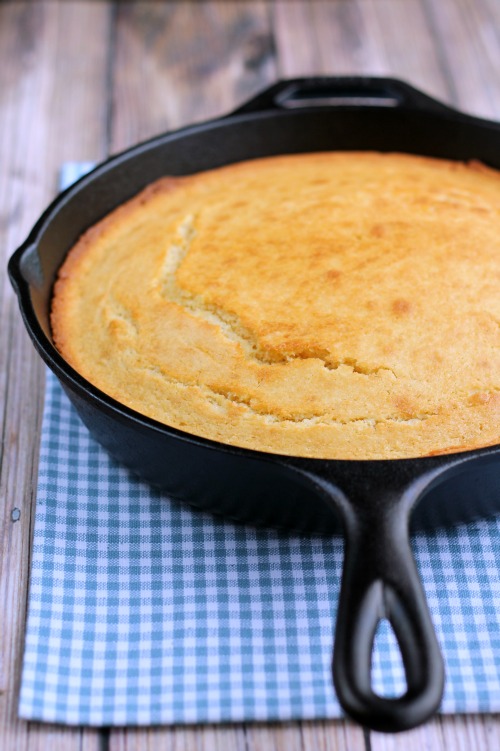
(229, 323)
(340, 305)
(219, 397)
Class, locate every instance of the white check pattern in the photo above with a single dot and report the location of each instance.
(145, 612)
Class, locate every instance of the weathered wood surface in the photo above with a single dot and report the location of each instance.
(80, 79)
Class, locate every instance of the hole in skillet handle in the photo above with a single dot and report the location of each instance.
(344, 91)
(380, 581)
(295, 97)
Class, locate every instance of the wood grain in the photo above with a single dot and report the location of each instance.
(457, 733)
(288, 736)
(183, 62)
(332, 736)
(463, 733)
(468, 37)
(365, 36)
(208, 738)
(296, 39)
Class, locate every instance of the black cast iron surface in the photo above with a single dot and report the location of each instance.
(371, 501)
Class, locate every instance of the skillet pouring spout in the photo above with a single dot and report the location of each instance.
(380, 581)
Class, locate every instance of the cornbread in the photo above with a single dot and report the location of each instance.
(338, 305)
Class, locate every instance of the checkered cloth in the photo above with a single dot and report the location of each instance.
(143, 611)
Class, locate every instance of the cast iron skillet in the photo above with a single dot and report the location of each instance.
(371, 500)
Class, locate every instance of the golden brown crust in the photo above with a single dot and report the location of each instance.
(340, 305)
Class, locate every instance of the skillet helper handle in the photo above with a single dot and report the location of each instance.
(380, 581)
(341, 91)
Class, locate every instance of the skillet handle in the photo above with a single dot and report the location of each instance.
(342, 91)
(380, 580)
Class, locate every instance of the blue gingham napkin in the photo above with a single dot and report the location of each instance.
(144, 612)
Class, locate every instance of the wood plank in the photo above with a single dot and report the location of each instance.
(181, 738)
(52, 103)
(365, 37)
(346, 44)
(468, 34)
(333, 735)
(428, 737)
(462, 732)
(181, 62)
(273, 737)
(43, 737)
(456, 732)
(297, 51)
(290, 736)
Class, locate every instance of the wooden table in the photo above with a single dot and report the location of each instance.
(82, 79)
